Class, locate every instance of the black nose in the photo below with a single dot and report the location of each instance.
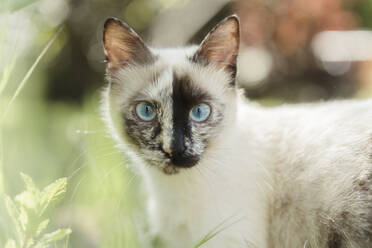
(179, 156)
(178, 142)
(184, 161)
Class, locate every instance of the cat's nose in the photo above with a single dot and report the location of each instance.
(178, 144)
(178, 150)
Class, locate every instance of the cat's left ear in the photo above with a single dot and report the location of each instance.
(123, 46)
(221, 46)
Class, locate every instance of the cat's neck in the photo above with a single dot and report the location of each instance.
(202, 197)
(211, 191)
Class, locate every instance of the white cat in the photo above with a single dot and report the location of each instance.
(285, 177)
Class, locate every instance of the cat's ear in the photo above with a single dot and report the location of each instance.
(122, 46)
(221, 46)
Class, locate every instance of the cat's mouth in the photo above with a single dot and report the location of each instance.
(170, 164)
(171, 169)
(184, 161)
(175, 165)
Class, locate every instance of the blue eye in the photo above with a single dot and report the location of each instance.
(200, 112)
(145, 111)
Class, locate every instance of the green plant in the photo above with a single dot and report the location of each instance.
(225, 224)
(29, 211)
(13, 5)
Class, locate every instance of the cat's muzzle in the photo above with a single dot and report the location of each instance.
(181, 158)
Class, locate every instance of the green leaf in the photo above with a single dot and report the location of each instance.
(11, 208)
(54, 236)
(28, 224)
(29, 243)
(10, 244)
(27, 199)
(42, 227)
(51, 193)
(14, 214)
(23, 218)
(30, 185)
(13, 5)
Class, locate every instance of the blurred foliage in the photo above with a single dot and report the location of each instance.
(13, 5)
(80, 64)
(28, 213)
(364, 8)
(285, 30)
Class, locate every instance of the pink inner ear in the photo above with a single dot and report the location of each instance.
(221, 45)
(122, 45)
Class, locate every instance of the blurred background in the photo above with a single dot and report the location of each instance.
(292, 51)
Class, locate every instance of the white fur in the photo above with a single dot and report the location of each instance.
(296, 159)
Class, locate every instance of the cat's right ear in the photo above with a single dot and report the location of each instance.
(123, 46)
(221, 46)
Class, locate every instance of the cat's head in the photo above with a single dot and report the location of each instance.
(169, 107)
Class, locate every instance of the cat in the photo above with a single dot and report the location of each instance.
(215, 163)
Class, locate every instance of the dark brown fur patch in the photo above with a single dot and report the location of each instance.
(185, 96)
(334, 240)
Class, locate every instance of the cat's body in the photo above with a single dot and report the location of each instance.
(292, 176)
(321, 172)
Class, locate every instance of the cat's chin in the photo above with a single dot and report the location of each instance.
(171, 169)
(165, 167)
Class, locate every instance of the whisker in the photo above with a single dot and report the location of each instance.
(76, 188)
(113, 168)
(124, 192)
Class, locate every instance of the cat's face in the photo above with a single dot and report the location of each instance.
(170, 106)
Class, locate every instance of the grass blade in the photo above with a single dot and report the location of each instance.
(218, 229)
(29, 72)
(6, 73)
